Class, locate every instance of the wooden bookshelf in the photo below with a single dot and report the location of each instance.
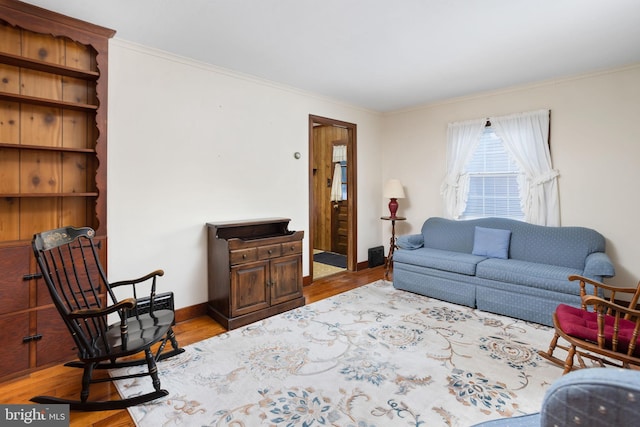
(53, 165)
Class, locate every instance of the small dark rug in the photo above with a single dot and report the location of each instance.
(331, 258)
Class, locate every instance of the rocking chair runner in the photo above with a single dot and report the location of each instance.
(75, 278)
(602, 330)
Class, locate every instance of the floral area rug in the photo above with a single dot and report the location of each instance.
(373, 356)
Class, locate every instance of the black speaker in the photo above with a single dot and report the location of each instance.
(376, 256)
(163, 301)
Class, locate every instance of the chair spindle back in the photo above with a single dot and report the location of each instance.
(71, 269)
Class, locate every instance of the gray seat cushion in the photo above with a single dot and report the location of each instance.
(543, 276)
(455, 262)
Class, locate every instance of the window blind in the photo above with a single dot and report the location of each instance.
(493, 180)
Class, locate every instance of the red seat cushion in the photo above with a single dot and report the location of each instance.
(583, 324)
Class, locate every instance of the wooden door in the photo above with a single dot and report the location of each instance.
(339, 227)
(320, 165)
(325, 138)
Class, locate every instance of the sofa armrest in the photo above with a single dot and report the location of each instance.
(410, 241)
(598, 264)
(594, 396)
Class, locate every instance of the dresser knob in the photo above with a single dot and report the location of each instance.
(270, 251)
(244, 256)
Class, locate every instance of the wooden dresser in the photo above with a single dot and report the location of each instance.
(254, 270)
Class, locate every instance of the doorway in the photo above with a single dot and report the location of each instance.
(332, 196)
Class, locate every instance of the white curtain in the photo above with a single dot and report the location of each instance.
(526, 137)
(336, 184)
(339, 155)
(462, 140)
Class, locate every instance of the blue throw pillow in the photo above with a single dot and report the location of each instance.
(491, 242)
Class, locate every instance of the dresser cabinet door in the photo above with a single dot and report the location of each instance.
(56, 344)
(14, 301)
(249, 287)
(14, 290)
(14, 353)
(285, 278)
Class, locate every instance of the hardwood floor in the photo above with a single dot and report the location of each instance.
(65, 382)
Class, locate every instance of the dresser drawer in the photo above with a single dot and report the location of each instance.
(243, 255)
(270, 251)
(292, 248)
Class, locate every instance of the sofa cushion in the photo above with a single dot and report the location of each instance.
(583, 324)
(455, 262)
(491, 242)
(544, 276)
(448, 235)
(442, 285)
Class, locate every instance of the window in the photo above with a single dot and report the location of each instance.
(493, 181)
(339, 182)
(343, 166)
(526, 138)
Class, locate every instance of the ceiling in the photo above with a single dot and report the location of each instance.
(382, 55)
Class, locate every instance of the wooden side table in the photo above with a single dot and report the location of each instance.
(392, 242)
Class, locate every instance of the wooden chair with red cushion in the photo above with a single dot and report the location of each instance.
(602, 330)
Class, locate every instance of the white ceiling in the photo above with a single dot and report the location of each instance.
(382, 55)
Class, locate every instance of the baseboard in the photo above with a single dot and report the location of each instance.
(364, 265)
(191, 312)
(198, 310)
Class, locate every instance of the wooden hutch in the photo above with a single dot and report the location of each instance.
(53, 166)
(255, 270)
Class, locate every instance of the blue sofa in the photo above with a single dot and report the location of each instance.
(594, 397)
(500, 265)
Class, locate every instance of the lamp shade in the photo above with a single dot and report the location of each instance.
(393, 190)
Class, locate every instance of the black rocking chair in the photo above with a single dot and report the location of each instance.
(76, 280)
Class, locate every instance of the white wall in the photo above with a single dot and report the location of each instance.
(595, 144)
(191, 144)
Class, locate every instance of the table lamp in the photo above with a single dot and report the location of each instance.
(393, 190)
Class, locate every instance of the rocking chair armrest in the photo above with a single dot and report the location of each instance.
(629, 313)
(127, 303)
(601, 285)
(151, 275)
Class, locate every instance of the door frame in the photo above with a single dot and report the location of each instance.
(352, 193)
